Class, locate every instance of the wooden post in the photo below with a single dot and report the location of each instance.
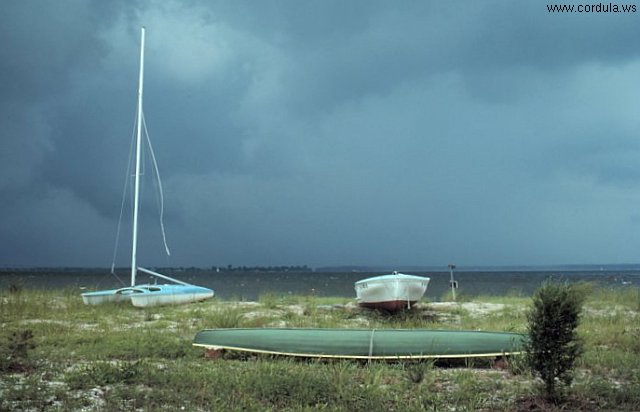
(452, 282)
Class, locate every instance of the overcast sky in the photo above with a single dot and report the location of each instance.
(322, 132)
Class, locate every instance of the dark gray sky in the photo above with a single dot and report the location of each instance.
(323, 132)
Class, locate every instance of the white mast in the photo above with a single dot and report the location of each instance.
(136, 196)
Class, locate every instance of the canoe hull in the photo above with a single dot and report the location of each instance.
(363, 343)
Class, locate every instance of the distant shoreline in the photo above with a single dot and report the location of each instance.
(347, 268)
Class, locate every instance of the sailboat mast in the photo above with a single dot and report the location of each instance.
(136, 195)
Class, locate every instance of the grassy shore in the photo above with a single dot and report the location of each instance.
(58, 354)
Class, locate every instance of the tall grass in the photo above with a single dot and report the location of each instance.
(117, 357)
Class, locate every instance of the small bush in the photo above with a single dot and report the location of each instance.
(553, 344)
(461, 297)
(269, 300)
(14, 356)
(15, 288)
(517, 364)
(416, 372)
(230, 317)
(104, 373)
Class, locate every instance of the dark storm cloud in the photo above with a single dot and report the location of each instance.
(44, 45)
(373, 49)
(322, 133)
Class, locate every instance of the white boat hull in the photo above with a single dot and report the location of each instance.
(391, 292)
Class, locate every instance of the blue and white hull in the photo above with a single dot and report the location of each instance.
(150, 295)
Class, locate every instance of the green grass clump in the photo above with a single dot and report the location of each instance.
(15, 351)
(100, 373)
(225, 317)
(117, 357)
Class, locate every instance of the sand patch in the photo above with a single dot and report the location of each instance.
(475, 309)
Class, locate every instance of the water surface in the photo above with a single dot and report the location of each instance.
(249, 285)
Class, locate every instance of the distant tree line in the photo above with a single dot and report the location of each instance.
(295, 268)
(228, 268)
(231, 268)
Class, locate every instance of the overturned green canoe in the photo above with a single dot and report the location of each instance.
(363, 343)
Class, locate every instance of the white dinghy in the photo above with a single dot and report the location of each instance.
(391, 293)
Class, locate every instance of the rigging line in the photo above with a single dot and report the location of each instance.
(124, 196)
(156, 191)
(155, 166)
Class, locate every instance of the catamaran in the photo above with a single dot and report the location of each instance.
(145, 295)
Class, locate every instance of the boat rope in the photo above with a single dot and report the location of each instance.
(122, 203)
(371, 344)
(155, 166)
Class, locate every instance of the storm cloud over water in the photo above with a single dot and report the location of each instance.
(322, 133)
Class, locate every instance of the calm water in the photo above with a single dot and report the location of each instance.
(249, 285)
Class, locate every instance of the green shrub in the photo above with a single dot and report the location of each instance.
(14, 357)
(269, 300)
(228, 317)
(460, 297)
(416, 372)
(104, 373)
(553, 345)
(15, 288)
